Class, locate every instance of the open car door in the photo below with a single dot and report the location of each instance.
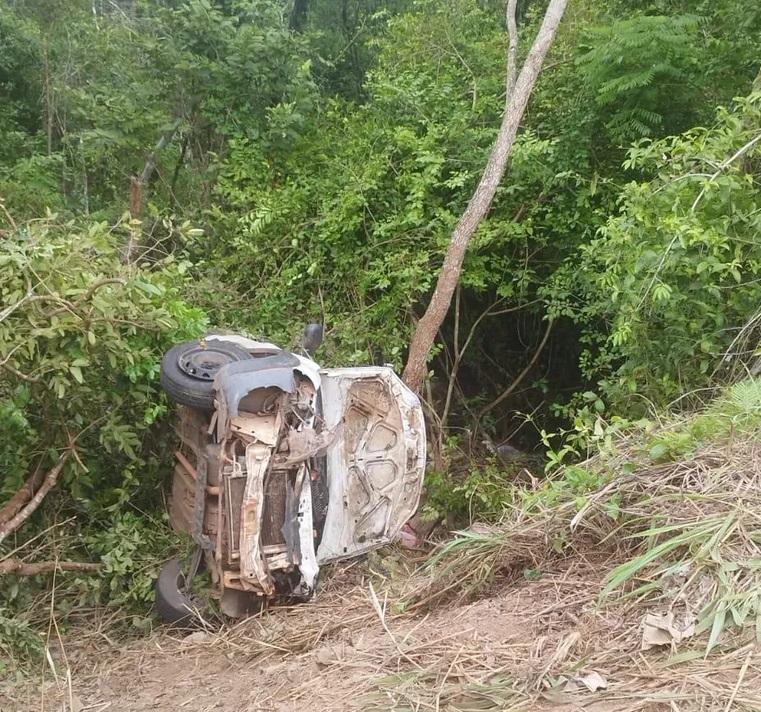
(376, 463)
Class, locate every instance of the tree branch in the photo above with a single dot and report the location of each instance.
(48, 483)
(138, 183)
(8, 217)
(97, 285)
(18, 374)
(459, 353)
(19, 568)
(26, 299)
(12, 507)
(512, 51)
(150, 164)
(519, 378)
(725, 164)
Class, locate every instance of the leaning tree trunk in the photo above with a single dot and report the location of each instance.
(516, 101)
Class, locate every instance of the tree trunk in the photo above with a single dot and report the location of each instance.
(298, 19)
(480, 202)
(136, 193)
(47, 96)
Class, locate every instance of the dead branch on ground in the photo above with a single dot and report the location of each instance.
(19, 568)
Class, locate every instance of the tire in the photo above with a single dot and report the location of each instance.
(188, 370)
(173, 605)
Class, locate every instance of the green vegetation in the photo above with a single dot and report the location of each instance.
(307, 161)
(676, 504)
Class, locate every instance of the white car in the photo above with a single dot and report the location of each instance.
(282, 467)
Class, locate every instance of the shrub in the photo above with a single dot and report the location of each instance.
(81, 338)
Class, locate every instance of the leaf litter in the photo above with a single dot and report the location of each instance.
(675, 630)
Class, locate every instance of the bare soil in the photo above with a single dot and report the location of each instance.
(354, 648)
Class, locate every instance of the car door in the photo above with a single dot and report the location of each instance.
(376, 462)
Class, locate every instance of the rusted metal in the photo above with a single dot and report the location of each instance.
(253, 566)
(200, 509)
(273, 515)
(182, 501)
(186, 464)
(234, 487)
(271, 485)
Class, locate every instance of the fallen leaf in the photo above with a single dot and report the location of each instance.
(591, 681)
(665, 629)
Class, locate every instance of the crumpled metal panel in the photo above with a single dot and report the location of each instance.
(308, 566)
(376, 465)
(253, 567)
(235, 380)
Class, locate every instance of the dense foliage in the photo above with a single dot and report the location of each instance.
(675, 272)
(308, 160)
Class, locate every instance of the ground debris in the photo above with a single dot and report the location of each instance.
(591, 681)
(379, 637)
(665, 629)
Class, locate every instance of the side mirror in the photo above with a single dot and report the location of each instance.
(312, 338)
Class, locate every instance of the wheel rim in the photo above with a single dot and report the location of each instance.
(203, 363)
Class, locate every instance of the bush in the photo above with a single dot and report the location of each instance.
(670, 284)
(81, 337)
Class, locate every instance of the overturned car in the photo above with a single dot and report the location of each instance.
(282, 466)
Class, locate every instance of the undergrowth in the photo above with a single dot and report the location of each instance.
(479, 493)
(677, 504)
(130, 550)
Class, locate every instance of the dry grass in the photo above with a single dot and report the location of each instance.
(682, 537)
(514, 651)
(511, 617)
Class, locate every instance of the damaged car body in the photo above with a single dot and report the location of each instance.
(283, 466)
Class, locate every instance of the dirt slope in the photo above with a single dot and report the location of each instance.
(513, 649)
(343, 656)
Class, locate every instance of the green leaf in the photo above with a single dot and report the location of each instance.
(658, 450)
(717, 628)
(148, 288)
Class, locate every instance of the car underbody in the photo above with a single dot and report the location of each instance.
(293, 466)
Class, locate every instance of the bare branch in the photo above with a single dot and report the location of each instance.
(48, 483)
(15, 503)
(459, 353)
(8, 217)
(19, 568)
(28, 297)
(740, 152)
(519, 378)
(98, 284)
(18, 374)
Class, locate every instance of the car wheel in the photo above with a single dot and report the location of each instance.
(173, 603)
(188, 370)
